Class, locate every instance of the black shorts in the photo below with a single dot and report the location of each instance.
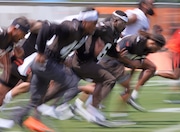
(111, 64)
(15, 77)
(91, 70)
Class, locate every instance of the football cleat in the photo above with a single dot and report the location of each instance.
(135, 105)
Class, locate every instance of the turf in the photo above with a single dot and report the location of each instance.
(151, 97)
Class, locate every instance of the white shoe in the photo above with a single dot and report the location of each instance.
(79, 109)
(97, 113)
(47, 110)
(63, 112)
(135, 105)
(5, 123)
(50, 112)
(6, 100)
(2, 107)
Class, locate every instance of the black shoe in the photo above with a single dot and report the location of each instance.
(135, 105)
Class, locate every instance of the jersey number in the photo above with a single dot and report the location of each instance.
(104, 51)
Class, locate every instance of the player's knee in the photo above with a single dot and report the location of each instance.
(111, 81)
(152, 69)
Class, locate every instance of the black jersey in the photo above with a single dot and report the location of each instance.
(134, 44)
(86, 51)
(29, 45)
(5, 47)
(66, 37)
(108, 34)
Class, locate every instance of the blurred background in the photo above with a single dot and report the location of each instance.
(167, 11)
(167, 14)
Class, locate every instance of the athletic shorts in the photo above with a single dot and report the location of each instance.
(113, 66)
(15, 77)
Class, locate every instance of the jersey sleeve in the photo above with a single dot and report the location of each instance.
(46, 32)
(4, 44)
(126, 42)
(105, 34)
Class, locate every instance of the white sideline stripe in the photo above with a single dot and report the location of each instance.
(11, 108)
(171, 110)
(118, 114)
(172, 101)
(160, 82)
(19, 100)
(175, 92)
(173, 128)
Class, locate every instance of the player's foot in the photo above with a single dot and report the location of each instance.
(80, 110)
(63, 112)
(18, 120)
(35, 125)
(97, 113)
(19, 116)
(5, 102)
(50, 112)
(2, 107)
(135, 105)
(124, 96)
(6, 124)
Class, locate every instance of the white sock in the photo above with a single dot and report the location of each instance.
(8, 97)
(134, 94)
(89, 100)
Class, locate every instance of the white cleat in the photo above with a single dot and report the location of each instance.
(63, 112)
(135, 105)
(97, 113)
(6, 124)
(79, 109)
(50, 112)
(47, 110)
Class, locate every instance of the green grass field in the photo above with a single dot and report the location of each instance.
(151, 97)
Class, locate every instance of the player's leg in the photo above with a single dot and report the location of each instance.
(148, 70)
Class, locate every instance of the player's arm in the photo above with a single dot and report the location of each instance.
(35, 26)
(45, 33)
(122, 56)
(132, 17)
(169, 74)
